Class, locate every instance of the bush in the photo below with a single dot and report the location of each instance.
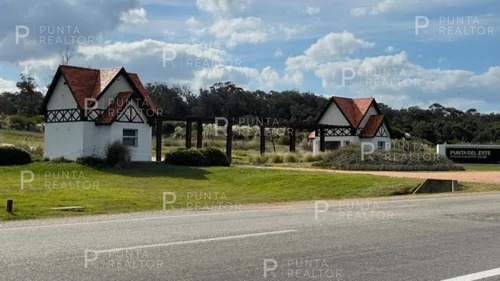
(259, 159)
(397, 159)
(10, 155)
(60, 160)
(215, 157)
(290, 158)
(186, 157)
(117, 154)
(309, 157)
(36, 152)
(276, 158)
(91, 161)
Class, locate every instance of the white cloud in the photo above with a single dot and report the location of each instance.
(192, 22)
(336, 45)
(390, 49)
(268, 78)
(134, 17)
(7, 86)
(312, 10)
(236, 31)
(221, 6)
(278, 53)
(357, 12)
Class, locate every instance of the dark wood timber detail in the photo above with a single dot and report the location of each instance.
(199, 134)
(262, 139)
(158, 140)
(322, 139)
(188, 134)
(229, 140)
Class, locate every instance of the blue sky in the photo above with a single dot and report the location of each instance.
(353, 48)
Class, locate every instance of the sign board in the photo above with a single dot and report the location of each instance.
(473, 155)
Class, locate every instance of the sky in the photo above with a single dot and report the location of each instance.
(403, 53)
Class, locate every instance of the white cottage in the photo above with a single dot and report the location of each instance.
(86, 109)
(353, 121)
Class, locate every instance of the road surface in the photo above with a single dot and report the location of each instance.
(403, 238)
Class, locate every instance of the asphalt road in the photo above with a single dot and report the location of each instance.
(405, 238)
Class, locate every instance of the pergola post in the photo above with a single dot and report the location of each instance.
(262, 139)
(292, 134)
(188, 133)
(229, 140)
(322, 139)
(199, 134)
(158, 140)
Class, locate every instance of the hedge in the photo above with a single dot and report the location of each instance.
(194, 157)
(10, 155)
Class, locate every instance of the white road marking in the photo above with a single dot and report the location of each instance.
(197, 241)
(232, 213)
(476, 276)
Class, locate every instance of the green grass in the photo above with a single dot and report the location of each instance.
(141, 187)
(17, 137)
(482, 167)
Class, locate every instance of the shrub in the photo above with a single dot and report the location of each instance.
(186, 157)
(117, 154)
(259, 159)
(36, 152)
(276, 158)
(91, 161)
(309, 157)
(10, 155)
(60, 160)
(290, 158)
(215, 157)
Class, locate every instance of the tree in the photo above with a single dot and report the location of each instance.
(28, 99)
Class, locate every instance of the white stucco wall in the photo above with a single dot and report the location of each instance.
(61, 98)
(333, 116)
(371, 111)
(63, 140)
(120, 85)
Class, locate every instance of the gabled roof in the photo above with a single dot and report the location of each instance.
(372, 126)
(93, 83)
(353, 109)
(114, 108)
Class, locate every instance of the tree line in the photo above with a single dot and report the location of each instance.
(436, 124)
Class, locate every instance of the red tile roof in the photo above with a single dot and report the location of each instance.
(91, 83)
(138, 84)
(114, 108)
(353, 109)
(372, 126)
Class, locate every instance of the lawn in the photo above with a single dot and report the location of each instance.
(141, 187)
(481, 167)
(17, 137)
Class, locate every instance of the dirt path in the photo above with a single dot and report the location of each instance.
(469, 176)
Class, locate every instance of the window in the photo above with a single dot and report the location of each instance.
(130, 137)
(330, 145)
(381, 145)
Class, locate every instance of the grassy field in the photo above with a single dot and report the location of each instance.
(17, 137)
(480, 167)
(140, 188)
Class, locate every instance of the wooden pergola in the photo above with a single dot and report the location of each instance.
(321, 130)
